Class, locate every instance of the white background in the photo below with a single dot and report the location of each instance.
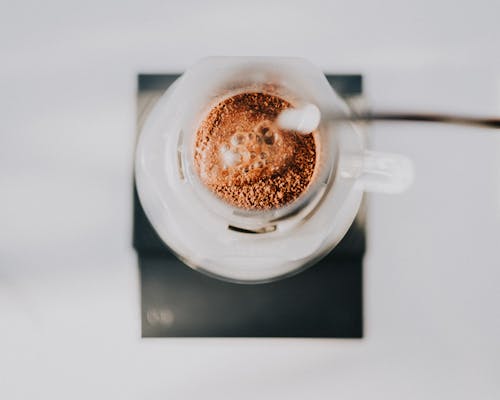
(69, 291)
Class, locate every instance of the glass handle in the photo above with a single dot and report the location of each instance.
(385, 172)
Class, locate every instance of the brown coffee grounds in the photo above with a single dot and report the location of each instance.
(246, 160)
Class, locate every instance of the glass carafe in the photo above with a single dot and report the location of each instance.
(243, 245)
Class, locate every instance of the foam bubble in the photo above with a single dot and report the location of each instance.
(230, 158)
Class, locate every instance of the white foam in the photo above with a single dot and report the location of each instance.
(230, 158)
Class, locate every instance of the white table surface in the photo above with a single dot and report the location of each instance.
(69, 290)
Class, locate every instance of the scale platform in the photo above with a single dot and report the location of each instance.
(324, 301)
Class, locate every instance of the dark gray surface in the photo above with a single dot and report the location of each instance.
(322, 301)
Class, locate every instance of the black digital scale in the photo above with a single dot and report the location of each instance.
(324, 301)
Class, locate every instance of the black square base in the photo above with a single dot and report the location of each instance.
(323, 301)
